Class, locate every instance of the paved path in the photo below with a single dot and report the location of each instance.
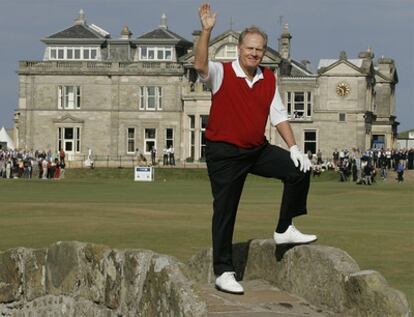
(261, 299)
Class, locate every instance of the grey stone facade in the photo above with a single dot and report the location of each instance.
(109, 94)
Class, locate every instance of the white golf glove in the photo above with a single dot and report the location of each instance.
(299, 159)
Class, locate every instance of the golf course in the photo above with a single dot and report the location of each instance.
(172, 215)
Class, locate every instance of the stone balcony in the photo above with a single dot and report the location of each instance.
(99, 68)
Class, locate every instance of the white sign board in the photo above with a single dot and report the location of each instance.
(144, 174)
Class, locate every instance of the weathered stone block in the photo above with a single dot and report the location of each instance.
(370, 295)
(317, 273)
(11, 276)
(34, 274)
(63, 270)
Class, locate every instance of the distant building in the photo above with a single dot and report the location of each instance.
(119, 94)
(405, 140)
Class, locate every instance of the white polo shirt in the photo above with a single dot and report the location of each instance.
(278, 112)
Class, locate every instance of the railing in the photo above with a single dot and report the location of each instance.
(126, 161)
(33, 66)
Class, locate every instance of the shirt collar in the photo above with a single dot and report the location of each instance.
(240, 72)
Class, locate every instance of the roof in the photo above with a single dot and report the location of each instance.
(79, 31)
(75, 32)
(328, 62)
(4, 137)
(162, 33)
(405, 134)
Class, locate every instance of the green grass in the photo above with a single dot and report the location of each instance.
(172, 215)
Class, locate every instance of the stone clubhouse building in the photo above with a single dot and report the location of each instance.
(117, 95)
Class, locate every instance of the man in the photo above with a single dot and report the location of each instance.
(243, 96)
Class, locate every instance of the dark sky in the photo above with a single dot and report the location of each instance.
(321, 29)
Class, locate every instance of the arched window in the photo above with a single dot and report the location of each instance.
(227, 51)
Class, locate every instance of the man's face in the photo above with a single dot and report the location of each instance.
(251, 52)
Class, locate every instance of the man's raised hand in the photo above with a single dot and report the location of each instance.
(207, 18)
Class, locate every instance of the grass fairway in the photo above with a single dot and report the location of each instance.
(172, 215)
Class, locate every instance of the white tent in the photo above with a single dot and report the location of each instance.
(4, 137)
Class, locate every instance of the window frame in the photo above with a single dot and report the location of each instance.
(67, 100)
(202, 136)
(73, 53)
(144, 98)
(148, 139)
(306, 142)
(130, 140)
(191, 136)
(227, 52)
(169, 141)
(155, 53)
(293, 102)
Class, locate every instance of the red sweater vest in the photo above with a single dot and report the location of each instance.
(238, 113)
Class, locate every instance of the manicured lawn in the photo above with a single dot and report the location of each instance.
(172, 215)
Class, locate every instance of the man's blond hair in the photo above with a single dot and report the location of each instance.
(253, 30)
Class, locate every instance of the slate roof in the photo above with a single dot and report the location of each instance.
(162, 33)
(76, 32)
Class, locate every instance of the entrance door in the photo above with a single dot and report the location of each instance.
(378, 142)
(68, 140)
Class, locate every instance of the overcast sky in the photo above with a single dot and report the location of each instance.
(320, 29)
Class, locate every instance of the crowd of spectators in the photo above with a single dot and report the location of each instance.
(32, 164)
(363, 167)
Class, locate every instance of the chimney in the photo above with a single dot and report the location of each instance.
(196, 37)
(284, 43)
(368, 54)
(126, 33)
(307, 64)
(386, 65)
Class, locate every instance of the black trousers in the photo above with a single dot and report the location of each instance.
(228, 166)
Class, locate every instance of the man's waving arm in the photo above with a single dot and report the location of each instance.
(208, 20)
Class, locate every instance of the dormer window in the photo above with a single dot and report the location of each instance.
(227, 51)
(155, 53)
(73, 53)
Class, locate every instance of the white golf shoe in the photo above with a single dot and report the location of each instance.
(226, 282)
(293, 236)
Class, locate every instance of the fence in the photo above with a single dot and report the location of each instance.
(123, 161)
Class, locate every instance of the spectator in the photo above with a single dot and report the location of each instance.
(171, 156)
(319, 157)
(165, 158)
(153, 155)
(400, 172)
(335, 157)
(62, 155)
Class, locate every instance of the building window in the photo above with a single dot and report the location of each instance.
(69, 139)
(150, 98)
(69, 97)
(78, 138)
(310, 141)
(299, 104)
(131, 140)
(309, 104)
(169, 138)
(342, 117)
(73, 53)
(191, 136)
(150, 140)
(203, 125)
(155, 53)
(227, 51)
